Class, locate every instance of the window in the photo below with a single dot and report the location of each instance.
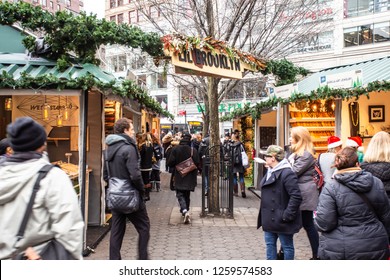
(133, 16)
(120, 3)
(140, 16)
(58, 7)
(120, 18)
(68, 3)
(365, 35)
(44, 3)
(112, 4)
(138, 62)
(51, 5)
(117, 63)
(112, 18)
(187, 94)
(381, 32)
(350, 37)
(354, 8)
(141, 80)
(161, 81)
(236, 93)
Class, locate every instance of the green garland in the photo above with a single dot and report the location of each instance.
(81, 34)
(125, 89)
(320, 93)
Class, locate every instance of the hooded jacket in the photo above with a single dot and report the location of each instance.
(56, 212)
(281, 197)
(380, 170)
(350, 230)
(124, 160)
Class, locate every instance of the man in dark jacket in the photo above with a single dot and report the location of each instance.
(279, 213)
(184, 185)
(123, 162)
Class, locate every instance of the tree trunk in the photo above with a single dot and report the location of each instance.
(214, 145)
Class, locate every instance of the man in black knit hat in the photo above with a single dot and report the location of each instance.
(55, 213)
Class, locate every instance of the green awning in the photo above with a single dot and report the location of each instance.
(16, 63)
(372, 70)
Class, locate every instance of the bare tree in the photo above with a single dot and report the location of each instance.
(271, 29)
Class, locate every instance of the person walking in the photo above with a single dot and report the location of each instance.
(123, 160)
(326, 160)
(55, 213)
(237, 148)
(156, 164)
(204, 153)
(184, 185)
(145, 147)
(302, 162)
(353, 213)
(279, 208)
(377, 158)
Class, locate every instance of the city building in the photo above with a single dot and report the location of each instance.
(74, 6)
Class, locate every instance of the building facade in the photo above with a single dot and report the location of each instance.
(74, 6)
(351, 31)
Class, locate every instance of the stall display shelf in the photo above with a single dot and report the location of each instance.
(320, 125)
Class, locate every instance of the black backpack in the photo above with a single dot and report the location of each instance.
(157, 150)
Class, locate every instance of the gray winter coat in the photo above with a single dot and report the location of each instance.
(279, 209)
(303, 166)
(55, 214)
(350, 230)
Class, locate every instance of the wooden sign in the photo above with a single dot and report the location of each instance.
(206, 63)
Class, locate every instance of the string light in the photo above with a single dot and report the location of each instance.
(8, 104)
(59, 117)
(45, 111)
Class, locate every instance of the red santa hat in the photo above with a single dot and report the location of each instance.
(354, 141)
(333, 142)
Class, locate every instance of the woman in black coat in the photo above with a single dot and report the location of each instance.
(353, 228)
(279, 213)
(184, 185)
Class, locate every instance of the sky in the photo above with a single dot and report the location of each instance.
(95, 7)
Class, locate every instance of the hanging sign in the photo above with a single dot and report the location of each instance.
(350, 79)
(285, 91)
(207, 63)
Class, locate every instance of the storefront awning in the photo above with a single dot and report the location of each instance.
(372, 70)
(15, 64)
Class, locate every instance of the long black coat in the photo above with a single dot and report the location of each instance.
(178, 154)
(350, 230)
(280, 200)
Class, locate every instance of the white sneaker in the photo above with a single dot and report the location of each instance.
(187, 219)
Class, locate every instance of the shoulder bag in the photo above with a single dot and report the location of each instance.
(244, 157)
(121, 195)
(186, 166)
(53, 250)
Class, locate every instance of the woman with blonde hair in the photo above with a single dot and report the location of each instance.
(377, 158)
(302, 162)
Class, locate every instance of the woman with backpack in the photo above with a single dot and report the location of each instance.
(302, 162)
(237, 148)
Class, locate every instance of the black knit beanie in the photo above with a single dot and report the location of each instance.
(26, 135)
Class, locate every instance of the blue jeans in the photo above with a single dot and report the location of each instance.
(286, 240)
(311, 231)
(241, 178)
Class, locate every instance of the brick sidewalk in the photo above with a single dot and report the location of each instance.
(208, 238)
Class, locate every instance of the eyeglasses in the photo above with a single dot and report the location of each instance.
(267, 156)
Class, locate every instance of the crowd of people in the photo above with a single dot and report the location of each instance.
(348, 219)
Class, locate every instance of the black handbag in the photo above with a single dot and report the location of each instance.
(121, 195)
(53, 250)
(186, 166)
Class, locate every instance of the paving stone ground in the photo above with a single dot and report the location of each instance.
(206, 238)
